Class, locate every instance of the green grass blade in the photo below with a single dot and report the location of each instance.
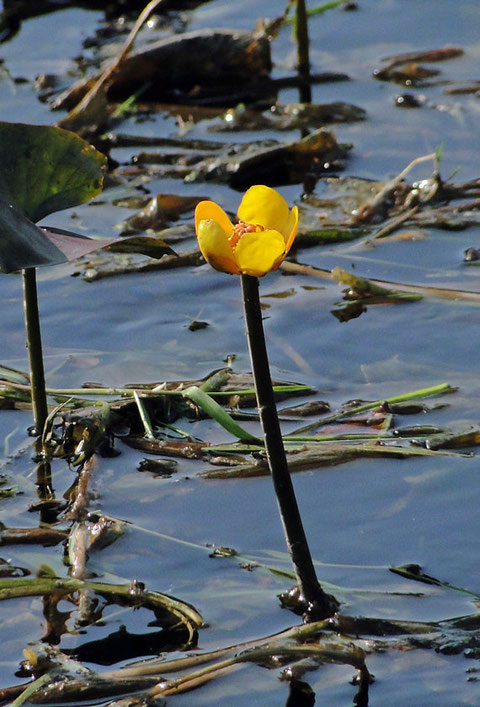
(215, 411)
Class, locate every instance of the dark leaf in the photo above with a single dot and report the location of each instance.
(159, 211)
(151, 246)
(23, 245)
(45, 169)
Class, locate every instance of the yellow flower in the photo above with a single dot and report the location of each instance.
(255, 245)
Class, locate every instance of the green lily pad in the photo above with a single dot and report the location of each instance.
(43, 169)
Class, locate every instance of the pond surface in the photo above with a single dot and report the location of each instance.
(361, 517)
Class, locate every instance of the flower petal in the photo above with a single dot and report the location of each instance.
(210, 210)
(216, 249)
(291, 228)
(256, 253)
(264, 206)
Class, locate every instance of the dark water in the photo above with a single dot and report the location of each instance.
(360, 517)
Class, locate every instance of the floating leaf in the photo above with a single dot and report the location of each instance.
(151, 246)
(11, 374)
(319, 455)
(22, 243)
(415, 572)
(159, 211)
(359, 286)
(43, 169)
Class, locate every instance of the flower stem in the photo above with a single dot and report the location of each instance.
(34, 344)
(303, 55)
(318, 602)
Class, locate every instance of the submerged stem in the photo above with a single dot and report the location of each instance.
(34, 345)
(321, 604)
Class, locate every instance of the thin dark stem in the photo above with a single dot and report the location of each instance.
(34, 344)
(303, 54)
(316, 599)
(47, 507)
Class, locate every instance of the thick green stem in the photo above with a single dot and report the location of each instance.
(303, 55)
(320, 603)
(34, 344)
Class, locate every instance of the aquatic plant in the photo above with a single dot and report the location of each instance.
(45, 169)
(251, 249)
(42, 169)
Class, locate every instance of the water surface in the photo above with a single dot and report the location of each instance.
(360, 517)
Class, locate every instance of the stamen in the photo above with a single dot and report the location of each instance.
(240, 229)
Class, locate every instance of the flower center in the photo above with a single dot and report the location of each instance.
(240, 229)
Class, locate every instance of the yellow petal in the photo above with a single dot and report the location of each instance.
(264, 206)
(291, 228)
(278, 262)
(257, 253)
(216, 249)
(210, 210)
